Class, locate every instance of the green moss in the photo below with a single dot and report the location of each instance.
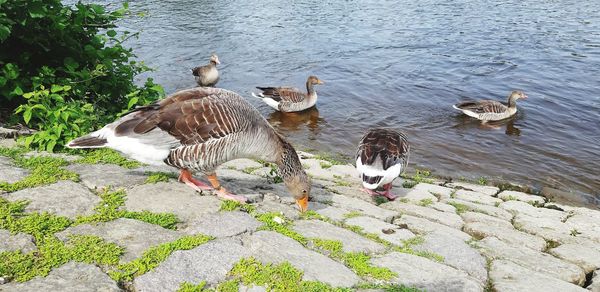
(189, 287)
(331, 160)
(482, 181)
(460, 208)
(155, 177)
(360, 264)
(420, 176)
(109, 209)
(425, 202)
(281, 277)
(107, 156)
(341, 183)
(39, 225)
(44, 170)
(270, 221)
(378, 200)
(388, 287)
(228, 286)
(230, 205)
(250, 170)
(352, 214)
(325, 165)
(53, 253)
(409, 184)
(154, 256)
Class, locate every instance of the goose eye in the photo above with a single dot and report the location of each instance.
(304, 191)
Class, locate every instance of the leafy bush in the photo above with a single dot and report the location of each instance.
(71, 73)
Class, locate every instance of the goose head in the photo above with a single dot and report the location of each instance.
(313, 80)
(517, 94)
(214, 59)
(299, 186)
(291, 171)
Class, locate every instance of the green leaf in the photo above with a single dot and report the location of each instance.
(132, 102)
(11, 71)
(37, 10)
(56, 88)
(4, 32)
(50, 146)
(111, 33)
(17, 91)
(27, 115)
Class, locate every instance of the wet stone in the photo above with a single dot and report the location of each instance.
(133, 235)
(488, 190)
(533, 260)
(507, 276)
(70, 277)
(386, 231)
(523, 197)
(351, 241)
(171, 197)
(222, 224)
(507, 234)
(208, 262)
(272, 247)
(331, 212)
(10, 173)
(64, 198)
(99, 176)
(476, 197)
(19, 241)
(421, 273)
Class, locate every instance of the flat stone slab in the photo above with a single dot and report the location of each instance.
(456, 253)
(19, 241)
(386, 231)
(523, 197)
(533, 260)
(353, 204)
(10, 173)
(171, 197)
(421, 273)
(268, 205)
(351, 241)
(435, 190)
(415, 195)
(272, 247)
(548, 228)
(488, 190)
(70, 277)
(477, 197)
(470, 217)
(98, 176)
(209, 262)
(522, 208)
(443, 207)
(481, 208)
(507, 276)
(64, 198)
(223, 224)
(586, 257)
(445, 218)
(424, 226)
(331, 212)
(133, 235)
(586, 226)
(507, 234)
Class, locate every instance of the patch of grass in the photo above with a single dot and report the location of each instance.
(229, 205)
(575, 232)
(425, 202)
(409, 184)
(388, 287)
(155, 177)
(460, 208)
(551, 244)
(378, 200)
(154, 256)
(189, 287)
(281, 277)
(39, 225)
(510, 198)
(106, 156)
(250, 170)
(341, 183)
(325, 165)
(420, 176)
(272, 222)
(109, 209)
(312, 214)
(328, 158)
(44, 170)
(352, 214)
(482, 181)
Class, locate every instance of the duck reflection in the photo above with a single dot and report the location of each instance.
(508, 125)
(295, 121)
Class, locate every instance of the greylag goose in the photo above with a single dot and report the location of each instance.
(491, 110)
(290, 99)
(197, 130)
(207, 75)
(381, 157)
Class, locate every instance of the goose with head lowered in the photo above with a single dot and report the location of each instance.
(290, 99)
(381, 157)
(197, 130)
(491, 110)
(207, 75)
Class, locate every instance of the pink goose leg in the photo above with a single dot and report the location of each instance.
(185, 176)
(222, 192)
(387, 193)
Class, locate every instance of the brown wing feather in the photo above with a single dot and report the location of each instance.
(483, 106)
(391, 146)
(289, 94)
(191, 116)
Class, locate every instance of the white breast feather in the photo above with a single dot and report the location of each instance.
(377, 170)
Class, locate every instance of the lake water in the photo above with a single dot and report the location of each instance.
(403, 64)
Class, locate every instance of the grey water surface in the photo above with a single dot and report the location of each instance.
(403, 64)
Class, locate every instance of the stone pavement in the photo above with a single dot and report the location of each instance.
(434, 237)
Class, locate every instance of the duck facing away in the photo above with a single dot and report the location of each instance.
(207, 75)
(381, 157)
(198, 130)
(290, 99)
(491, 110)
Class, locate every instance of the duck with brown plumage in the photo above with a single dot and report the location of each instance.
(207, 75)
(290, 99)
(491, 110)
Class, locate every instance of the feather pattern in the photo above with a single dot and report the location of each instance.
(290, 99)
(382, 155)
(491, 110)
(207, 75)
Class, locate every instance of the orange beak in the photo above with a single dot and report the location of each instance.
(303, 204)
(320, 81)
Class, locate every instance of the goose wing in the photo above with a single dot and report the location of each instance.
(390, 146)
(482, 107)
(279, 94)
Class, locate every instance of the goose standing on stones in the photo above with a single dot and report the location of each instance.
(290, 99)
(197, 130)
(491, 110)
(207, 75)
(381, 157)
